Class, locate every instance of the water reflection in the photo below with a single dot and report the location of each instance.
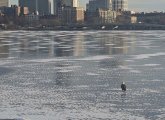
(63, 74)
(4, 49)
(78, 44)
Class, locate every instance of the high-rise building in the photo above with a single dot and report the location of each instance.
(71, 3)
(100, 12)
(96, 4)
(56, 5)
(64, 3)
(73, 15)
(42, 7)
(119, 5)
(4, 3)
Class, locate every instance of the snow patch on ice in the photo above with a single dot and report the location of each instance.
(150, 91)
(47, 60)
(92, 74)
(146, 56)
(154, 80)
(130, 69)
(135, 71)
(101, 57)
(151, 65)
(65, 71)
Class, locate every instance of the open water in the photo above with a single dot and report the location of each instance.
(76, 75)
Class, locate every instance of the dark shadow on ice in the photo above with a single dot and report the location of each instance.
(62, 79)
(110, 63)
(123, 97)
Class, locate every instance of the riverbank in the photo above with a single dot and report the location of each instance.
(92, 27)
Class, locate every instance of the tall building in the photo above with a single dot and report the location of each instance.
(96, 4)
(9, 11)
(73, 15)
(100, 12)
(119, 5)
(42, 7)
(71, 3)
(56, 5)
(61, 3)
(4, 3)
(105, 16)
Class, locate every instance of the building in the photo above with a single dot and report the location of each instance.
(73, 15)
(126, 17)
(100, 12)
(101, 16)
(14, 10)
(133, 19)
(31, 18)
(71, 3)
(43, 7)
(93, 5)
(9, 11)
(67, 15)
(68, 11)
(151, 18)
(119, 5)
(78, 15)
(105, 16)
(31, 4)
(21, 11)
(114, 5)
(56, 5)
(4, 3)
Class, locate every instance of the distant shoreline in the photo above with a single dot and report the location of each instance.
(94, 27)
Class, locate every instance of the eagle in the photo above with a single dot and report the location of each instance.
(123, 86)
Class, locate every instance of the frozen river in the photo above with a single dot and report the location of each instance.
(76, 75)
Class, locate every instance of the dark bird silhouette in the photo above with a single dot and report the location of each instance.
(123, 86)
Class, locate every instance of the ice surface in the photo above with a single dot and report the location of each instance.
(63, 75)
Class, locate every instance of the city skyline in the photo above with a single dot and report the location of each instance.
(140, 5)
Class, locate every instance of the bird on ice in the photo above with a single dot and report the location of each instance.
(123, 86)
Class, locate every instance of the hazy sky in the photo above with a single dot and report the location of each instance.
(136, 5)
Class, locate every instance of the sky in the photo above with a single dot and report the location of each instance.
(135, 5)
